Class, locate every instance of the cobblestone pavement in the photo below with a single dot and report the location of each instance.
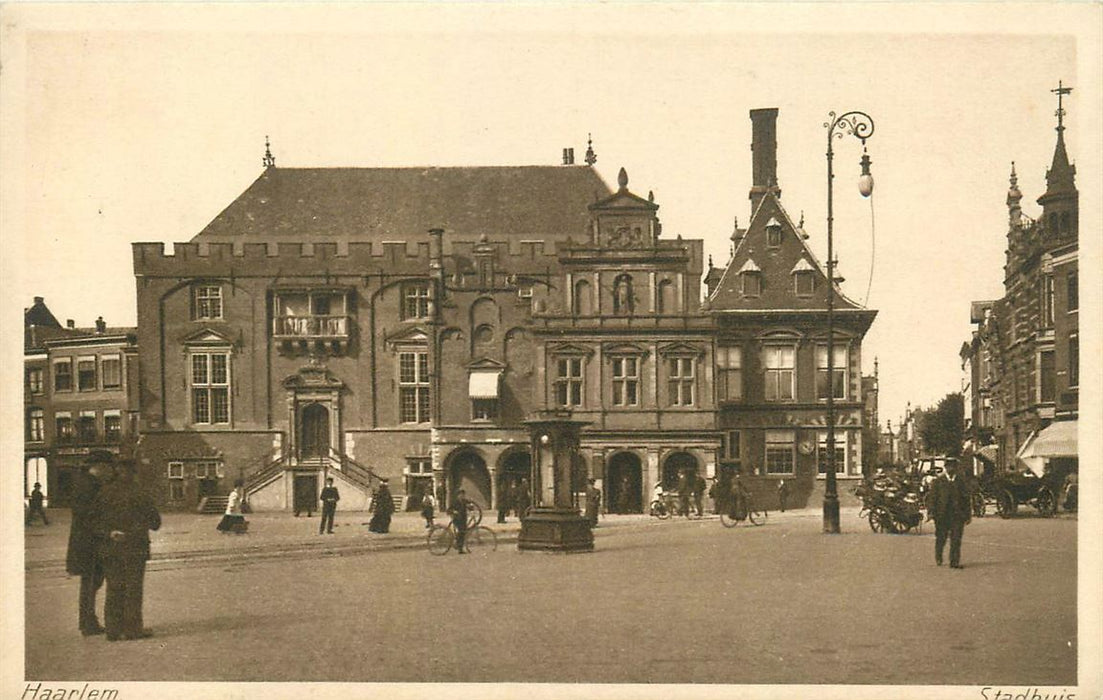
(657, 602)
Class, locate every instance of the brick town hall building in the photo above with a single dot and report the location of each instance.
(404, 322)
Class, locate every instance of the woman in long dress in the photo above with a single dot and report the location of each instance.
(384, 507)
(233, 520)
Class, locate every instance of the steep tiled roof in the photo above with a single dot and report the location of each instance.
(531, 202)
(777, 265)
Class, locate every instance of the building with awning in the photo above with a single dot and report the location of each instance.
(1057, 441)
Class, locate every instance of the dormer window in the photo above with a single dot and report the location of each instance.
(804, 279)
(750, 279)
(773, 233)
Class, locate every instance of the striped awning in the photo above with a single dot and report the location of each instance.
(483, 385)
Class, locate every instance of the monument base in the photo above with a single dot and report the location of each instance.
(555, 530)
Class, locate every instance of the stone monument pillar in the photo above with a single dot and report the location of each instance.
(554, 523)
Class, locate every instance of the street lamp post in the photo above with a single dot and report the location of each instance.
(859, 125)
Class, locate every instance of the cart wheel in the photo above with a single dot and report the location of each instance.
(1046, 503)
(877, 519)
(1005, 504)
(978, 505)
(660, 510)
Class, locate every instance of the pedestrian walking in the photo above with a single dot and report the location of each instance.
(428, 508)
(523, 499)
(782, 494)
(503, 502)
(232, 520)
(622, 494)
(123, 517)
(948, 503)
(686, 482)
(329, 497)
(458, 511)
(739, 497)
(83, 557)
(384, 508)
(593, 502)
(36, 501)
(699, 487)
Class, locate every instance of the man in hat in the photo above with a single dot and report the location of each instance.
(35, 506)
(123, 517)
(384, 508)
(329, 497)
(950, 505)
(458, 511)
(83, 558)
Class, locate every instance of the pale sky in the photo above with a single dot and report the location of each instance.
(143, 124)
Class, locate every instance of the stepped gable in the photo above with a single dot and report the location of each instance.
(376, 204)
(776, 266)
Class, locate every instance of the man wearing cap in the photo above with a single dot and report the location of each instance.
(123, 517)
(329, 498)
(35, 506)
(458, 511)
(83, 557)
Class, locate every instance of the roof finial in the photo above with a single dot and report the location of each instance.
(269, 159)
(651, 196)
(801, 224)
(622, 179)
(1061, 91)
(591, 157)
(710, 261)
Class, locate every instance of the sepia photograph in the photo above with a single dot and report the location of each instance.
(624, 350)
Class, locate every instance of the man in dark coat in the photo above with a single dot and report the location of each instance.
(593, 502)
(686, 482)
(123, 517)
(36, 501)
(83, 557)
(329, 497)
(384, 507)
(505, 494)
(699, 488)
(948, 503)
(458, 510)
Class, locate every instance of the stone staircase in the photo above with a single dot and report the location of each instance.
(213, 505)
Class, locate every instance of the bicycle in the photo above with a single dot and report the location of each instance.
(669, 505)
(729, 518)
(442, 538)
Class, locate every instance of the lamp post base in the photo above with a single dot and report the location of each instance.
(831, 514)
(555, 530)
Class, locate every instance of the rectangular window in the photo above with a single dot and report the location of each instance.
(1074, 361)
(840, 453)
(681, 380)
(111, 368)
(484, 409)
(63, 375)
(733, 445)
(176, 481)
(1047, 301)
(568, 381)
(773, 236)
(86, 427)
(839, 383)
(1072, 283)
(86, 374)
(626, 381)
(419, 466)
(176, 470)
(730, 362)
(112, 426)
(805, 284)
(413, 387)
(210, 387)
(752, 284)
(1047, 376)
(36, 426)
(779, 363)
(779, 451)
(415, 301)
(63, 424)
(34, 380)
(208, 302)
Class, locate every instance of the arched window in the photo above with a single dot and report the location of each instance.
(583, 299)
(623, 299)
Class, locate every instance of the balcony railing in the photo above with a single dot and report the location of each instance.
(311, 327)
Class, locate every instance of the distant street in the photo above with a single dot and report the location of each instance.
(657, 602)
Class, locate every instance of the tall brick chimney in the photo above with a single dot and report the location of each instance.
(763, 155)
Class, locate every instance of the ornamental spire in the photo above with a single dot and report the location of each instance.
(591, 157)
(269, 160)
